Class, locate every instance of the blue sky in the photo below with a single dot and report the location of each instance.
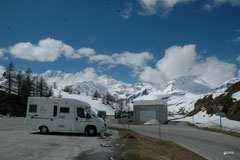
(132, 40)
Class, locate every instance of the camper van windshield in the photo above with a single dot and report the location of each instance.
(90, 111)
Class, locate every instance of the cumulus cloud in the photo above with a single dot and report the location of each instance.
(151, 6)
(214, 71)
(47, 50)
(87, 74)
(133, 60)
(238, 59)
(214, 3)
(152, 75)
(81, 53)
(126, 13)
(177, 61)
(183, 61)
(2, 52)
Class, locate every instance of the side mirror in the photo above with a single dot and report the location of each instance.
(88, 116)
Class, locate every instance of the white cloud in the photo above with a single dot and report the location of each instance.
(237, 39)
(214, 3)
(81, 53)
(182, 61)
(151, 6)
(126, 13)
(87, 74)
(102, 59)
(152, 75)
(238, 73)
(47, 50)
(2, 52)
(178, 61)
(238, 59)
(133, 60)
(214, 71)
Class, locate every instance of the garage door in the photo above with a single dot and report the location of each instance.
(147, 115)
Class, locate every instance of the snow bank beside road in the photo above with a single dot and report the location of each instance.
(202, 119)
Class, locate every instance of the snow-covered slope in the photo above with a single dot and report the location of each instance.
(95, 104)
(180, 93)
(202, 119)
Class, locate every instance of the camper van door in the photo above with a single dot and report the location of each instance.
(54, 119)
(65, 118)
(80, 120)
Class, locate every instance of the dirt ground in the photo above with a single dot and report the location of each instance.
(17, 142)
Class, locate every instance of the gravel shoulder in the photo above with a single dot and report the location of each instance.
(20, 143)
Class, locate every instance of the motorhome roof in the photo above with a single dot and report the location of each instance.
(61, 99)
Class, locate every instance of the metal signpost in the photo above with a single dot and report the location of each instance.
(220, 114)
(159, 130)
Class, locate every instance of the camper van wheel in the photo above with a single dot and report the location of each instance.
(91, 131)
(43, 130)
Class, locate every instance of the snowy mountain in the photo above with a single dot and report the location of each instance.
(180, 93)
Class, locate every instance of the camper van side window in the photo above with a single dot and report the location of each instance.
(32, 108)
(80, 112)
(64, 110)
(55, 111)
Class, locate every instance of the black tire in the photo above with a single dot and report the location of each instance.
(91, 131)
(43, 130)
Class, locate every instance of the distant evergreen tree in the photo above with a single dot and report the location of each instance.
(50, 92)
(43, 88)
(104, 99)
(10, 77)
(18, 87)
(55, 85)
(121, 105)
(20, 79)
(109, 98)
(96, 95)
(68, 89)
(27, 87)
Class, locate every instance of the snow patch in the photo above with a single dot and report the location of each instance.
(236, 95)
(152, 122)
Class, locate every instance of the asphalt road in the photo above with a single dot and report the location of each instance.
(210, 145)
(19, 143)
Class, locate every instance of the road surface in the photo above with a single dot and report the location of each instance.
(210, 145)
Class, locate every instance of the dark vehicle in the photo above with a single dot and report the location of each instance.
(124, 114)
(102, 114)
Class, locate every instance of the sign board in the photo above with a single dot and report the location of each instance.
(147, 115)
(220, 114)
(220, 108)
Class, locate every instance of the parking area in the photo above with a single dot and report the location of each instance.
(20, 143)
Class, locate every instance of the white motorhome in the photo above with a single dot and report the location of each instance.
(62, 115)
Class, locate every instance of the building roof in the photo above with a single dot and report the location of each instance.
(150, 102)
